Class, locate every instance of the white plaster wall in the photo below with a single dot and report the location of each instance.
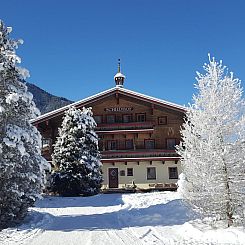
(140, 173)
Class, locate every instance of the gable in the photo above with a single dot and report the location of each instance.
(116, 99)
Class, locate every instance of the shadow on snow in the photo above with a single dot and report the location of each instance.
(92, 201)
(171, 213)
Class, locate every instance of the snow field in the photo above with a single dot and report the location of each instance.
(150, 218)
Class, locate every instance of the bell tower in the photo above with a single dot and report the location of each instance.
(119, 77)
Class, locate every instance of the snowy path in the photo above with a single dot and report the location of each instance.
(153, 218)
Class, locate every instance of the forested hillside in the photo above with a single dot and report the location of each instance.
(45, 101)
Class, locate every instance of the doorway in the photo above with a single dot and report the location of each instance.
(113, 177)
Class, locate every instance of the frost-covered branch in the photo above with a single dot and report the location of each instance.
(213, 145)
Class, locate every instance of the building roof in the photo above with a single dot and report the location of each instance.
(110, 91)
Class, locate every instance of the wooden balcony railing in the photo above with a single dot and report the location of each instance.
(139, 153)
(121, 126)
(134, 144)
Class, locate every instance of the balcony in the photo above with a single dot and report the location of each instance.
(139, 154)
(125, 126)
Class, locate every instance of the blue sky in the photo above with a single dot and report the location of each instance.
(71, 47)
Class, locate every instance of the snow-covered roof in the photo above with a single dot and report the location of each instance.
(153, 99)
(107, 92)
(119, 74)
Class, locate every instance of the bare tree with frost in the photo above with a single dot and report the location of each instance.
(21, 164)
(213, 147)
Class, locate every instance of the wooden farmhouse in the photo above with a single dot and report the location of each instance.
(137, 136)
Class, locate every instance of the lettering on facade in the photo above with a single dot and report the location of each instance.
(118, 109)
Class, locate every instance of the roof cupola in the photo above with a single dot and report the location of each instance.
(119, 77)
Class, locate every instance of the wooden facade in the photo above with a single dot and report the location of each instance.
(137, 136)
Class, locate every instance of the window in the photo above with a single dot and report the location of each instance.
(151, 173)
(162, 120)
(149, 144)
(140, 117)
(112, 145)
(122, 173)
(98, 119)
(171, 143)
(46, 142)
(110, 118)
(130, 172)
(101, 146)
(173, 172)
(127, 118)
(118, 118)
(129, 144)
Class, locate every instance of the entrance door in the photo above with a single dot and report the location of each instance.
(113, 178)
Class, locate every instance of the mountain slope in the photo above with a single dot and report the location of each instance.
(45, 101)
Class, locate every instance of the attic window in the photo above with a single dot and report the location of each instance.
(110, 118)
(140, 117)
(162, 120)
(127, 118)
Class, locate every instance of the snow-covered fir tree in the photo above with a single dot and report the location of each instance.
(76, 155)
(91, 155)
(213, 147)
(21, 164)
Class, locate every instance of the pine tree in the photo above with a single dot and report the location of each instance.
(212, 150)
(76, 155)
(90, 155)
(21, 164)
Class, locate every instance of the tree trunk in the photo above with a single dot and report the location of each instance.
(229, 213)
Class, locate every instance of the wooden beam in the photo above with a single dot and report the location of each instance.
(117, 98)
(152, 109)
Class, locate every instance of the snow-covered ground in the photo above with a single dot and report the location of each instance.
(152, 218)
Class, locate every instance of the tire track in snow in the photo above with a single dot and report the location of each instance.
(152, 237)
(122, 237)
